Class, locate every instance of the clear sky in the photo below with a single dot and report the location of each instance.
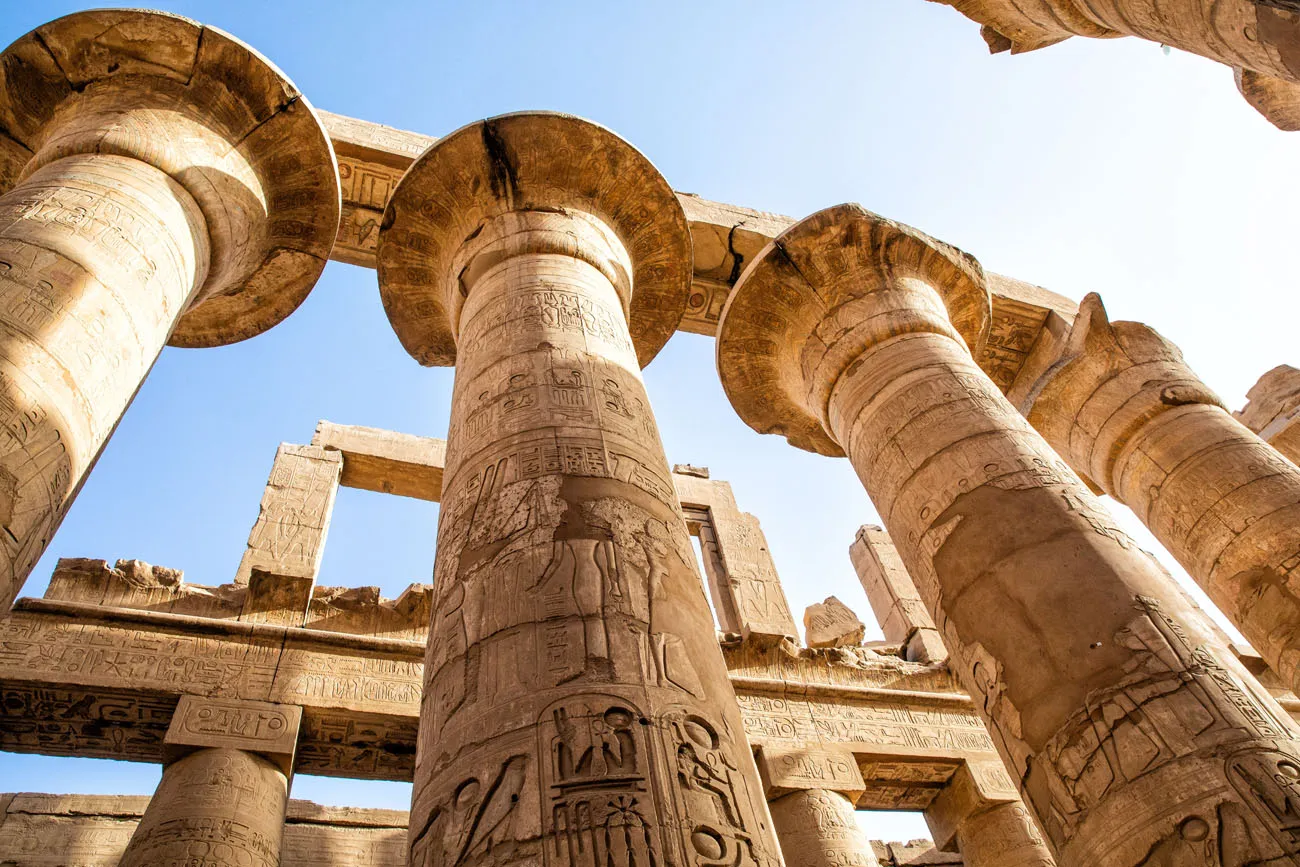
(1104, 166)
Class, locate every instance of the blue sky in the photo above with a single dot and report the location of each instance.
(1091, 166)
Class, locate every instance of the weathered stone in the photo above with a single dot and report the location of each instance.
(1123, 408)
(785, 770)
(898, 606)
(386, 461)
(831, 623)
(725, 238)
(572, 666)
(747, 595)
(1261, 35)
(1272, 410)
(817, 828)
(851, 333)
(159, 182)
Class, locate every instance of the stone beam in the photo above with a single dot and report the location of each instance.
(386, 461)
(372, 158)
(80, 679)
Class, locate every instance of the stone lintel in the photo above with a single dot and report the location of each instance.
(205, 722)
(102, 682)
(726, 238)
(813, 767)
(386, 461)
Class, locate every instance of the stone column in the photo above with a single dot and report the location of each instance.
(1272, 410)
(576, 705)
(224, 788)
(897, 605)
(160, 182)
(811, 793)
(1125, 727)
(978, 814)
(1126, 412)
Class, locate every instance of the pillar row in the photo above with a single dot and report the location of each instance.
(576, 707)
(1124, 410)
(224, 788)
(1120, 721)
(160, 182)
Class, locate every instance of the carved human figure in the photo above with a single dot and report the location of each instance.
(160, 182)
(572, 660)
(1125, 411)
(1115, 715)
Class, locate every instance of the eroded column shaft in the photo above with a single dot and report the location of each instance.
(98, 258)
(1120, 721)
(817, 828)
(1125, 410)
(1002, 836)
(214, 806)
(576, 708)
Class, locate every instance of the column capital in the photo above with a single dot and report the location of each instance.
(265, 728)
(210, 112)
(1109, 380)
(531, 161)
(1272, 410)
(821, 294)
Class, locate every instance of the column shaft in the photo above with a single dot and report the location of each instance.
(1125, 410)
(98, 257)
(218, 806)
(1002, 836)
(817, 828)
(1062, 627)
(1130, 733)
(577, 708)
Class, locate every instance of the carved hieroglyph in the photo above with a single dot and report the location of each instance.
(1260, 38)
(1272, 410)
(285, 546)
(1123, 724)
(1125, 411)
(898, 606)
(161, 182)
(742, 578)
(817, 828)
(576, 708)
(223, 793)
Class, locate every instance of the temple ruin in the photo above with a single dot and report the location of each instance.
(575, 686)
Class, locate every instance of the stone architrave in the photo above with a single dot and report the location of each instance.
(831, 623)
(1272, 410)
(742, 577)
(285, 546)
(980, 814)
(1125, 727)
(385, 461)
(576, 700)
(898, 607)
(160, 182)
(1125, 411)
(225, 786)
(818, 828)
(1259, 39)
